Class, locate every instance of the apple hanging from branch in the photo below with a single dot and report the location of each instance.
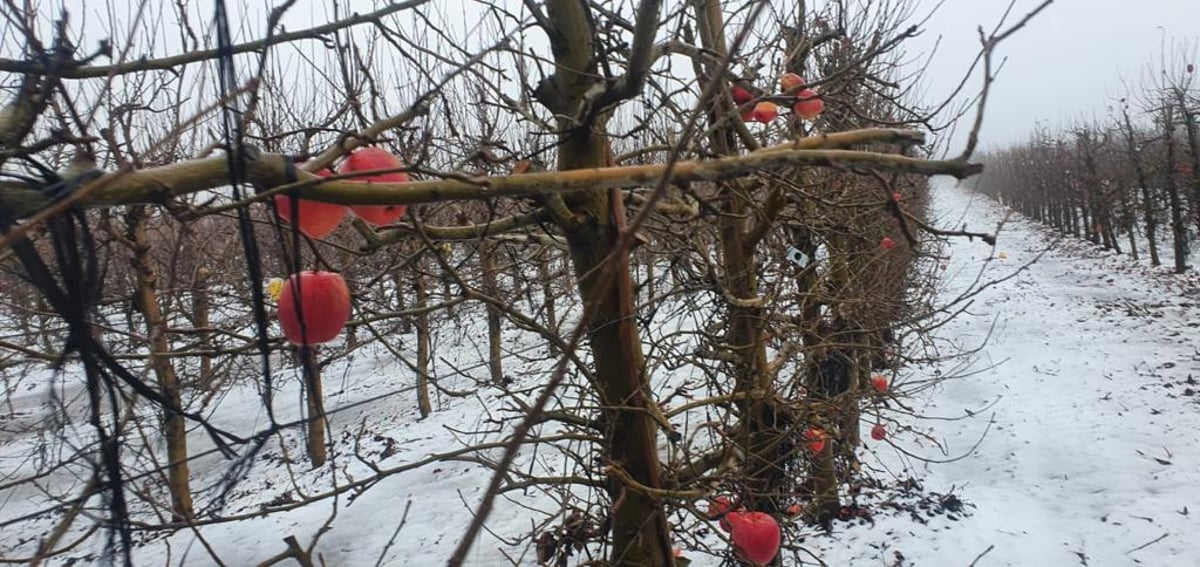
(755, 535)
(789, 82)
(815, 439)
(765, 112)
(371, 158)
(314, 218)
(809, 106)
(321, 300)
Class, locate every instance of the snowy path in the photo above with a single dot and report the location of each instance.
(1093, 456)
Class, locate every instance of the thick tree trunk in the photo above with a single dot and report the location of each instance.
(173, 425)
(763, 429)
(639, 532)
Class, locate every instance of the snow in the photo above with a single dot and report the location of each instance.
(1071, 435)
(1093, 448)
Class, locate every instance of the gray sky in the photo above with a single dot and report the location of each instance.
(1067, 64)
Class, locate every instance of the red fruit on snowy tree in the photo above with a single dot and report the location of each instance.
(315, 219)
(887, 243)
(795, 510)
(815, 438)
(765, 112)
(879, 383)
(365, 159)
(790, 82)
(897, 197)
(878, 432)
(718, 509)
(809, 106)
(324, 302)
(740, 94)
(756, 536)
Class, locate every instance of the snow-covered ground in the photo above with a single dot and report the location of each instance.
(1088, 390)
(1080, 408)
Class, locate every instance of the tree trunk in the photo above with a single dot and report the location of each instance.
(1147, 197)
(422, 301)
(487, 257)
(1193, 139)
(398, 285)
(639, 532)
(1178, 227)
(1128, 216)
(201, 318)
(315, 401)
(548, 294)
(173, 425)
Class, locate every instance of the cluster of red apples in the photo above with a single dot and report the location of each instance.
(808, 103)
(756, 535)
(315, 305)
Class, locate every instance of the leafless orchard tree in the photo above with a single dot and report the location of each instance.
(1134, 174)
(709, 295)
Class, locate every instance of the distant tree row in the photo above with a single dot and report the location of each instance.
(1128, 183)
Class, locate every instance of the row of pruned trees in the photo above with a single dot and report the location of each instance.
(799, 247)
(1130, 183)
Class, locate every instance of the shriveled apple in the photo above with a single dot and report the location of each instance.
(790, 82)
(765, 112)
(815, 439)
(809, 106)
(740, 94)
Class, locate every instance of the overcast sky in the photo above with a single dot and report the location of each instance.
(1066, 66)
(1069, 61)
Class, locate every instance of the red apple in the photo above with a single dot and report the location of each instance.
(816, 438)
(790, 82)
(756, 536)
(740, 94)
(795, 510)
(887, 243)
(897, 197)
(365, 159)
(718, 509)
(324, 302)
(316, 219)
(878, 432)
(809, 106)
(765, 112)
(880, 383)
